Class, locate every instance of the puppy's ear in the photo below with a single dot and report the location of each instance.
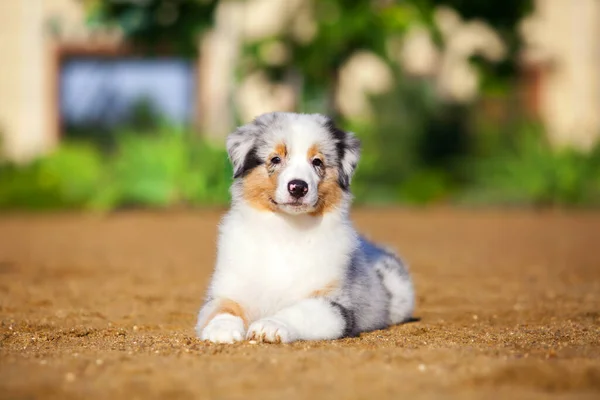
(241, 148)
(348, 151)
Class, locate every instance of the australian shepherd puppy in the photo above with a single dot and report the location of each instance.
(290, 266)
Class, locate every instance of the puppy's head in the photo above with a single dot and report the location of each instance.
(293, 163)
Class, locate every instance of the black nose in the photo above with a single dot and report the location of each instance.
(297, 188)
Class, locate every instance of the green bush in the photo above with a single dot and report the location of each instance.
(75, 170)
(26, 187)
(211, 187)
(149, 170)
(159, 169)
(531, 172)
(170, 167)
(410, 148)
(68, 177)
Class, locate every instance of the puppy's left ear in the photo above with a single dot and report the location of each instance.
(241, 148)
(348, 151)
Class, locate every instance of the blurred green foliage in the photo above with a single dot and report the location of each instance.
(173, 168)
(529, 171)
(415, 143)
(155, 25)
(344, 27)
(412, 153)
(411, 160)
(164, 168)
(504, 17)
(168, 169)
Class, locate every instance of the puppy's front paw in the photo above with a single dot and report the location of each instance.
(224, 328)
(270, 330)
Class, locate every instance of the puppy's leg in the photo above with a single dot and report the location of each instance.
(221, 321)
(309, 319)
(396, 281)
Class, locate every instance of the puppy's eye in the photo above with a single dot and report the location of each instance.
(275, 160)
(317, 162)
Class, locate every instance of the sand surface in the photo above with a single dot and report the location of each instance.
(104, 307)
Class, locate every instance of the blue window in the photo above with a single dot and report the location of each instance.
(104, 92)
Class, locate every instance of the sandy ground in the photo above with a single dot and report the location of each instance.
(104, 307)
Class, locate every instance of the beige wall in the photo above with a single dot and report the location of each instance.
(21, 108)
(25, 74)
(563, 37)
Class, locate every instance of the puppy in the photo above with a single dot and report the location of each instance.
(290, 265)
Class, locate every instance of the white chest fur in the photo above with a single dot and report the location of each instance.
(268, 261)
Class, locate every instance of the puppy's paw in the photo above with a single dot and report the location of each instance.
(270, 330)
(224, 328)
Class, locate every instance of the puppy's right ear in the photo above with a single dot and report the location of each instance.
(241, 148)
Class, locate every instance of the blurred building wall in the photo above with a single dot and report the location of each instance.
(563, 44)
(27, 28)
(217, 70)
(21, 79)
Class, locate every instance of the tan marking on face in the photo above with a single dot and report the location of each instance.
(260, 184)
(280, 150)
(226, 306)
(259, 188)
(330, 193)
(313, 152)
(325, 290)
